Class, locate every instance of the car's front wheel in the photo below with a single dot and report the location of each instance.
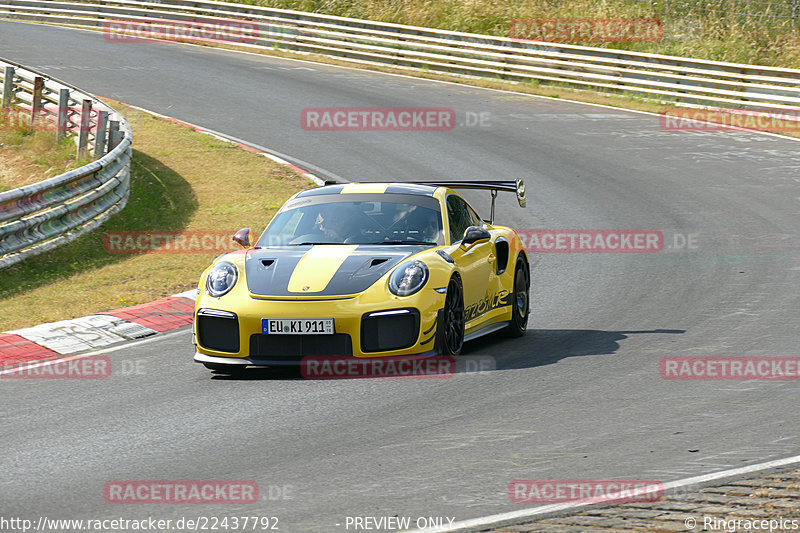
(452, 328)
(520, 301)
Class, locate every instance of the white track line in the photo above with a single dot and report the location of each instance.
(532, 513)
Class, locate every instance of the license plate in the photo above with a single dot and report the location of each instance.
(297, 326)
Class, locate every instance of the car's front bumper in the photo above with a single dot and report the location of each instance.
(361, 329)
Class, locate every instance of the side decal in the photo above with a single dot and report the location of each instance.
(490, 302)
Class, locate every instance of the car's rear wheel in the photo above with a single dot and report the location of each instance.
(225, 369)
(520, 301)
(452, 338)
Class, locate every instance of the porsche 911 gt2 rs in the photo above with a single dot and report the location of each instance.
(364, 270)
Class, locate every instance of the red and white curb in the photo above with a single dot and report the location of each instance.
(66, 337)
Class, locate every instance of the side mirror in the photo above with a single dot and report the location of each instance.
(245, 238)
(475, 234)
(521, 193)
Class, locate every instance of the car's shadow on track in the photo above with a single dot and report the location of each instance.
(493, 352)
(546, 346)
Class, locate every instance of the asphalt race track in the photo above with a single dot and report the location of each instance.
(579, 397)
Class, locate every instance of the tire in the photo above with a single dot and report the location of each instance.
(225, 369)
(520, 301)
(451, 339)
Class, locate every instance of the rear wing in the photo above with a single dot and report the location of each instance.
(515, 186)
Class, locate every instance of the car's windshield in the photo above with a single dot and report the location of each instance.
(363, 220)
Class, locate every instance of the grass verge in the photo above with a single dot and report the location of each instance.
(181, 180)
(31, 154)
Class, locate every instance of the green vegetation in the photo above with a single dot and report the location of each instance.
(763, 33)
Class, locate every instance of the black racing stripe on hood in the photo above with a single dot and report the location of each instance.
(265, 278)
(362, 268)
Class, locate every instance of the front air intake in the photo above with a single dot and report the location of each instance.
(394, 329)
(218, 330)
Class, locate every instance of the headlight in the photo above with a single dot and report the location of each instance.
(408, 278)
(221, 279)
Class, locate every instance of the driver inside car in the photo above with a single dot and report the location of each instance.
(337, 224)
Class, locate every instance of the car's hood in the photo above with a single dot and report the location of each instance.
(321, 270)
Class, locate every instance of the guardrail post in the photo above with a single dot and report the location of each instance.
(118, 136)
(100, 134)
(8, 87)
(63, 114)
(36, 107)
(83, 133)
(113, 134)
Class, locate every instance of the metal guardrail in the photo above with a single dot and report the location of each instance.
(39, 217)
(687, 81)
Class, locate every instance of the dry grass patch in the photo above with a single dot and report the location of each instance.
(29, 155)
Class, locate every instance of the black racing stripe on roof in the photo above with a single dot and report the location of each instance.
(328, 189)
(410, 188)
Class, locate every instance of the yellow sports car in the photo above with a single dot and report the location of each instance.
(364, 270)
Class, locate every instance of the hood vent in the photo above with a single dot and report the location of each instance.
(269, 272)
